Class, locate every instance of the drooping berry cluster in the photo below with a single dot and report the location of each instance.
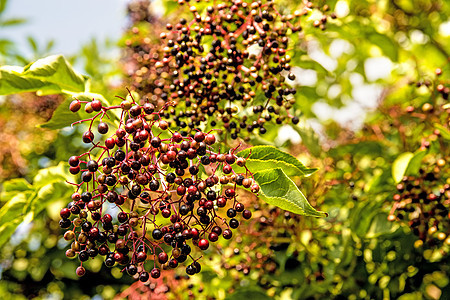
(225, 64)
(423, 200)
(166, 189)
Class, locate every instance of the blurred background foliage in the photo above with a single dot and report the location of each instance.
(373, 89)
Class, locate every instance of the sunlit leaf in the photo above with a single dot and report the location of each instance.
(279, 190)
(400, 165)
(261, 158)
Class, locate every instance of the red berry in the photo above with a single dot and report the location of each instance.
(199, 136)
(163, 257)
(155, 273)
(213, 237)
(210, 139)
(88, 137)
(227, 169)
(96, 105)
(110, 143)
(74, 161)
(203, 244)
(121, 132)
(65, 213)
(230, 193)
(177, 137)
(74, 170)
(80, 271)
(194, 233)
(75, 106)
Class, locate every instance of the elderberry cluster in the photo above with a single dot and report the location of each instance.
(423, 200)
(172, 192)
(225, 64)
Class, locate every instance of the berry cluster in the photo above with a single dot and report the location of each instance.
(422, 201)
(227, 64)
(165, 186)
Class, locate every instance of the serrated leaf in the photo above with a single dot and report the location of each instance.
(278, 189)
(400, 165)
(268, 157)
(56, 69)
(12, 83)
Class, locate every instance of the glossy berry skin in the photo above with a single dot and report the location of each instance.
(88, 137)
(247, 214)
(75, 106)
(190, 270)
(162, 257)
(65, 213)
(155, 273)
(227, 234)
(231, 213)
(234, 223)
(103, 128)
(143, 277)
(132, 270)
(203, 244)
(74, 161)
(96, 105)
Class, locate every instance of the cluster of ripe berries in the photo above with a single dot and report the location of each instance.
(172, 193)
(422, 201)
(226, 64)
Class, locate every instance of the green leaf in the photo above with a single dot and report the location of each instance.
(3, 5)
(16, 185)
(62, 117)
(445, 133)
(48, 186)
(415, 162)
(386, 44)
(309, 138)
(268, 157)
(52, 174)
(12, 22)
(11, 187)
(50, 75)
(33, 44)
(13, 83)
(279, 190)
(380, 226)
(400, 165)
(11, 215)
(56, 69)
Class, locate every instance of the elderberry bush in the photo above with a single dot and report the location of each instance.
(174, 195)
